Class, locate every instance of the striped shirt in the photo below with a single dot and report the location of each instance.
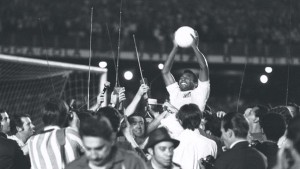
(44, 149)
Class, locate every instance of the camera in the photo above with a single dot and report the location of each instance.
(208, 162)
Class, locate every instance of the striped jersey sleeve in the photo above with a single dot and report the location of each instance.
(45, 153)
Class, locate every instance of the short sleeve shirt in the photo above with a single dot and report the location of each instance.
(197, 96)
(193, 146)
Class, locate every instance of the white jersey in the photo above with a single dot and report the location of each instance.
(193, 146)
(172, 124)
(197, 96)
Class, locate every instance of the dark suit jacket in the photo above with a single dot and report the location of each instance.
(269, 149)
(11, 155)
(241, 156)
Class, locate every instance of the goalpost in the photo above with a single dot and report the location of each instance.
(26, 83)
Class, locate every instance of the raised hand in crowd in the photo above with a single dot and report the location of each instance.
(170, 108)
(117, 98)
(134, 103)
(156, 121)
(100, 100)
(143, 89)
(220, 114)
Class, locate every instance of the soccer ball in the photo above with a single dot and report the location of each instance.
(183, 36)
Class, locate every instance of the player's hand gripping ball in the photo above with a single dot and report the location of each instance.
(183, 36)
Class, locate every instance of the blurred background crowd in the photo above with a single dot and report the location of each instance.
(153, 22)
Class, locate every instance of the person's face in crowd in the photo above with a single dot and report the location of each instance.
(138, 126)
(97, 150)
(226, 136)
(162, 153)
(5, 123)
(186, 82)
(28, 127)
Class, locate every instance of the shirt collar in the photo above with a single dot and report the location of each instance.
(17, 139)
(234, 143)
(155, 167)
(51, 128)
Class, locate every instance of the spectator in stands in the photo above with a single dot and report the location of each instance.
(189, 88)
(161, 147)
(253, 116)
(234, 128)
(274, 127)
(11, 156)
(62, 145)
(5, 122)
(100, 151)
(193, 146)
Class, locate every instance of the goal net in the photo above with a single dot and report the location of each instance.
(25, 84)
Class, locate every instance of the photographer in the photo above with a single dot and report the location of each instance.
(59, 143)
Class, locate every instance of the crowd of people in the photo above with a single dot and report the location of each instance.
(182, 133)
(238, 21)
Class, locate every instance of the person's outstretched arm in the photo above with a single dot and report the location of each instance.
(156, 122)
(166, 72)
(100, 99)
(134, 103)
(204, 71)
